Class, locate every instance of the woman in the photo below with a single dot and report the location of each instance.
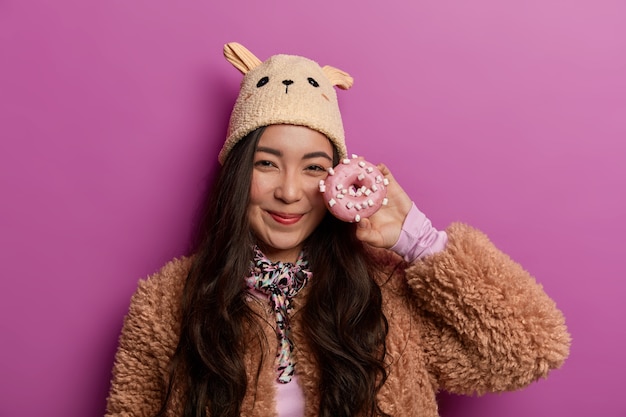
(371, 318)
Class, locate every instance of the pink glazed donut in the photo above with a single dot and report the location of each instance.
(354, 189)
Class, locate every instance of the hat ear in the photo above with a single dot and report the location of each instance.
(338, 77)
(240, 57)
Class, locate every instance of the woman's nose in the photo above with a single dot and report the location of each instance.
(289, 189)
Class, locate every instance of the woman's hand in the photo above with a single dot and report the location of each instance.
(382, 229)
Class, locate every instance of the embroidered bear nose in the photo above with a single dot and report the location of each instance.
(287, 83)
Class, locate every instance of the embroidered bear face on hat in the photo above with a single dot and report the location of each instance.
(285, 89)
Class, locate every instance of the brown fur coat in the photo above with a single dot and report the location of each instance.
(467, 320)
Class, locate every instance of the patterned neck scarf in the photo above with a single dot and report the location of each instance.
(281, 281)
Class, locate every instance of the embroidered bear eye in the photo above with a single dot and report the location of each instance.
(263, 81)
(313, 82)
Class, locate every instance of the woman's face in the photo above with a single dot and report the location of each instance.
(285, 202)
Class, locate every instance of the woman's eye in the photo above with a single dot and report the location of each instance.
(317, 168)
(263, 163)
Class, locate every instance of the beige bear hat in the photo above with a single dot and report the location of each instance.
(285, 89)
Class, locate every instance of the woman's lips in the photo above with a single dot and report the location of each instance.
(284, 218)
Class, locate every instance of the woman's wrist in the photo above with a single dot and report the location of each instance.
(418, 238)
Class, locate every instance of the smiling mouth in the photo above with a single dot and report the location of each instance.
(286, 219)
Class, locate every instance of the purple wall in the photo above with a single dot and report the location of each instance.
(510, 116)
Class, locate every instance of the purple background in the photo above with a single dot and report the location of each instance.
(510, 116)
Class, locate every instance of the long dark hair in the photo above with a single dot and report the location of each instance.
(346, 333)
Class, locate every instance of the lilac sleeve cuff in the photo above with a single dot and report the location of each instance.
(418, 237)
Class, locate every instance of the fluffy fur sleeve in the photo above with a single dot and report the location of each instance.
(486, 325)
(147, 342)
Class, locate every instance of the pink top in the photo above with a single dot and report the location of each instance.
(290, 398)
(418, 238)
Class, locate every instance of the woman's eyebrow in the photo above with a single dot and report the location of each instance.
(310, 155)
(269, 150)
(319, 154)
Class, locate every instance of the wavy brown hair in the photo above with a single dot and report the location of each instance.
(346, 332)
